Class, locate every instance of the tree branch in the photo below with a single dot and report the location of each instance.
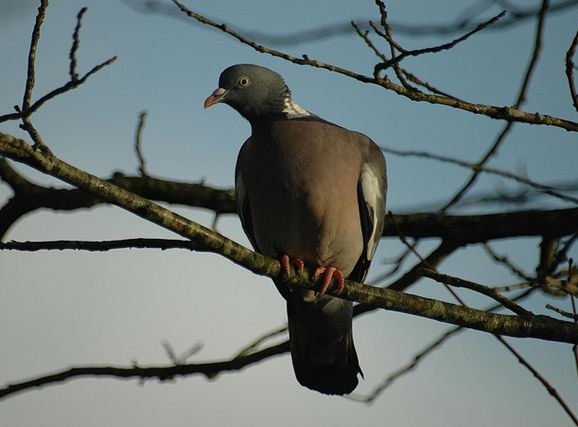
(520, 99)
(464, 228)
(477, 287)
(28, 108)
(162, 373)
(416, 52)
(495, 112)
(102, 246)
(479, 168)
(535, 326)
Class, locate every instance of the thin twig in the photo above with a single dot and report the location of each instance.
(477, 287)
(250, 348)
(71, 84)
(515, 287)
(564, 313)
(394, 47)
(75, 44)
(521, 97)
(553, 392)
(31, 74)
(413, 78)
(182, 358)
(162, 372)
(30, 81)
(137, 143)
(426, 264)
(397, 263)
(101, 246)
(439, 48)
(390, 379)
(476, 167)
(365, 37)
(505, 261)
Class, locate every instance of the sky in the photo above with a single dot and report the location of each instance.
(62, 309)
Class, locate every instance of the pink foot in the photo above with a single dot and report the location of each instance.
(328, 274)
(286, 263)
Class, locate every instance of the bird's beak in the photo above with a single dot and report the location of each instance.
(217, 96)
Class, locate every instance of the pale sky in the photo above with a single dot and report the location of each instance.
(62, 309)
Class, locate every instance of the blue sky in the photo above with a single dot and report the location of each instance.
(63, 308)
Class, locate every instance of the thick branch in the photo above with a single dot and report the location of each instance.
(481, 228)
(467, 229)
(532, 326)
(30, 197)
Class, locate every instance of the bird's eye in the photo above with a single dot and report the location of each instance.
(244, 81)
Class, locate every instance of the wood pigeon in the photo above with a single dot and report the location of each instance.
(309, 193)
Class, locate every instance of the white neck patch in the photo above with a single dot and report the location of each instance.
(294, 110)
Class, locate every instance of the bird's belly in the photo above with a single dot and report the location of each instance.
(293, 224)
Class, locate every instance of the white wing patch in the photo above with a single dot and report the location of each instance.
(294, 110)
(371, 194)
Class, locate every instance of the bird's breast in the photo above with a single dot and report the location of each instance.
(303, 200)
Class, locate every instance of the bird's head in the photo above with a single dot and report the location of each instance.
(252, 90)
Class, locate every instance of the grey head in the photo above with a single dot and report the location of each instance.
(255, 92)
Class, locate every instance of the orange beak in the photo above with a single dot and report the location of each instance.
(215, 97)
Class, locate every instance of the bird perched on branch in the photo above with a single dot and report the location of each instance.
(311, 194)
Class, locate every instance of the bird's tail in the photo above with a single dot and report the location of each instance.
(322, 349)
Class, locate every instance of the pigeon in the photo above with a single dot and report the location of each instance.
(311, 194)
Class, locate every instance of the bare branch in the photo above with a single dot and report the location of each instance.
(495, 112)
(28, 108)
(537, 326)
(467, 230)
(519, 101)
(416, 52)
(102, 246)
(391, 378)
(553, 392)
(137, 144)
(561, 312)
(479, 168)
(182, 358)
(477, 287)
(75, 43)
(419, 357)
(162, 373)
(30, 74)
(257, 342)
(30, 80)
(505, 261)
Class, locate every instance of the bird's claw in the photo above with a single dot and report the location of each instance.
(286, 263)
(328, 274)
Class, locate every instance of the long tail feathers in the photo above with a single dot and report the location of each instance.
(322, 349)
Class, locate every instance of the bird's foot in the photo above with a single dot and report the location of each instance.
(287, 262)
(328, 274)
